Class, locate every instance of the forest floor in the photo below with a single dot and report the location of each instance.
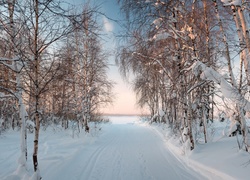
(126, 149)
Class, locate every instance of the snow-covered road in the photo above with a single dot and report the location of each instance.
(122, 152)
(127, 149)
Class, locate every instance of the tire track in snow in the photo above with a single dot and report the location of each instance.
(73, 166)
(108, 162)
(133, 152)
(93, 160)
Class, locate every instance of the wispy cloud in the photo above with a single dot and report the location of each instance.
(108, 26)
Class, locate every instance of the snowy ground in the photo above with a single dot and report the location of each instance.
(127, 149)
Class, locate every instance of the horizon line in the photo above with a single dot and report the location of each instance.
(124, 114)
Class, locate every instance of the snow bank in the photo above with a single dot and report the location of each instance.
(220, 157)
(55, 146)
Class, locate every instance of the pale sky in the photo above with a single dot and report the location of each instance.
(124, 100)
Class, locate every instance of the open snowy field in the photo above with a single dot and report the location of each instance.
(126, 149)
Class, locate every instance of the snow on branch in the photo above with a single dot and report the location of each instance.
(2, 95)
(232, 2)
(160, 36)
(16, 63)
(228, 91)
(8, 59)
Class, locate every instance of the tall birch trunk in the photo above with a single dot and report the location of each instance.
(37, 118)
(205, 110)
(182, 78)
(245, 33)
(188, 99)
(241, 75)
(11, 6)
(86, 97)
(17, 65)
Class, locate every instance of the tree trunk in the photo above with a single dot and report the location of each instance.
(245, 33)
(37, 119)
(204, 113)
(22, 116)
(86, 111)
(241, 75)
(189, 121)
(193, 37)
(210, 63)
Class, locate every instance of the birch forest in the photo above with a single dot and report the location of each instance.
(190, 60)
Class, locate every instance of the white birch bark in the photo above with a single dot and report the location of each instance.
(22, 115)
(16, 67)
(86, 95)
(37, 118)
